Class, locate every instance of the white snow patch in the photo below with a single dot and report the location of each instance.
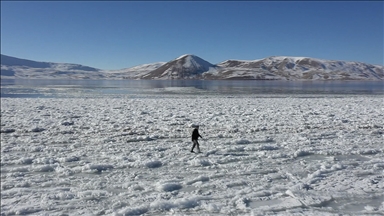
(169, 186)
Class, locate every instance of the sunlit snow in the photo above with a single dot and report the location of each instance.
(126, 155)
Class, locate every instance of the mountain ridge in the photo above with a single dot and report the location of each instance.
(189, 66)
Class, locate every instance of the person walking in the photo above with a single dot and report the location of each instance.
(195, 137)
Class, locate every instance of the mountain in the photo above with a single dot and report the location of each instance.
(298, 68)
(134, 72)
(184, 67)
(12, 67)
(194, 67)
(271, 68)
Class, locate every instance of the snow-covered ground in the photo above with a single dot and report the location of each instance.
(129, 155)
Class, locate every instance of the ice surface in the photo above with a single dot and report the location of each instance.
(262, 155)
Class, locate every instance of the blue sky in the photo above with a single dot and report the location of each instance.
(122, 34)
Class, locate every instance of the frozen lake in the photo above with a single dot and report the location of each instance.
(71, 88)
(78, 149)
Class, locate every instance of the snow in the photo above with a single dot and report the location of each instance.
(133, 72)
(295, 68)
(296, 59)
(194, 62)
(183, 56)
(125, 155)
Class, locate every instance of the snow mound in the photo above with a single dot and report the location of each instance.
(133, 211)
(168, 187)
(183, 203)
(198, 179)
(97, 167)
(200, 162)
(153, 164)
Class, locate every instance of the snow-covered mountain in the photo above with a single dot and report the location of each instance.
(194, 67)
(184, 67)
(134, 72)
(12, 67)
(271, 68)
(298, 68)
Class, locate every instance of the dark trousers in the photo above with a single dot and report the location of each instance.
(195, 143)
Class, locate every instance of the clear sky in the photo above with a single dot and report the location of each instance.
(122, 34)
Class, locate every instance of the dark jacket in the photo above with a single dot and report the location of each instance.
(195, 134)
